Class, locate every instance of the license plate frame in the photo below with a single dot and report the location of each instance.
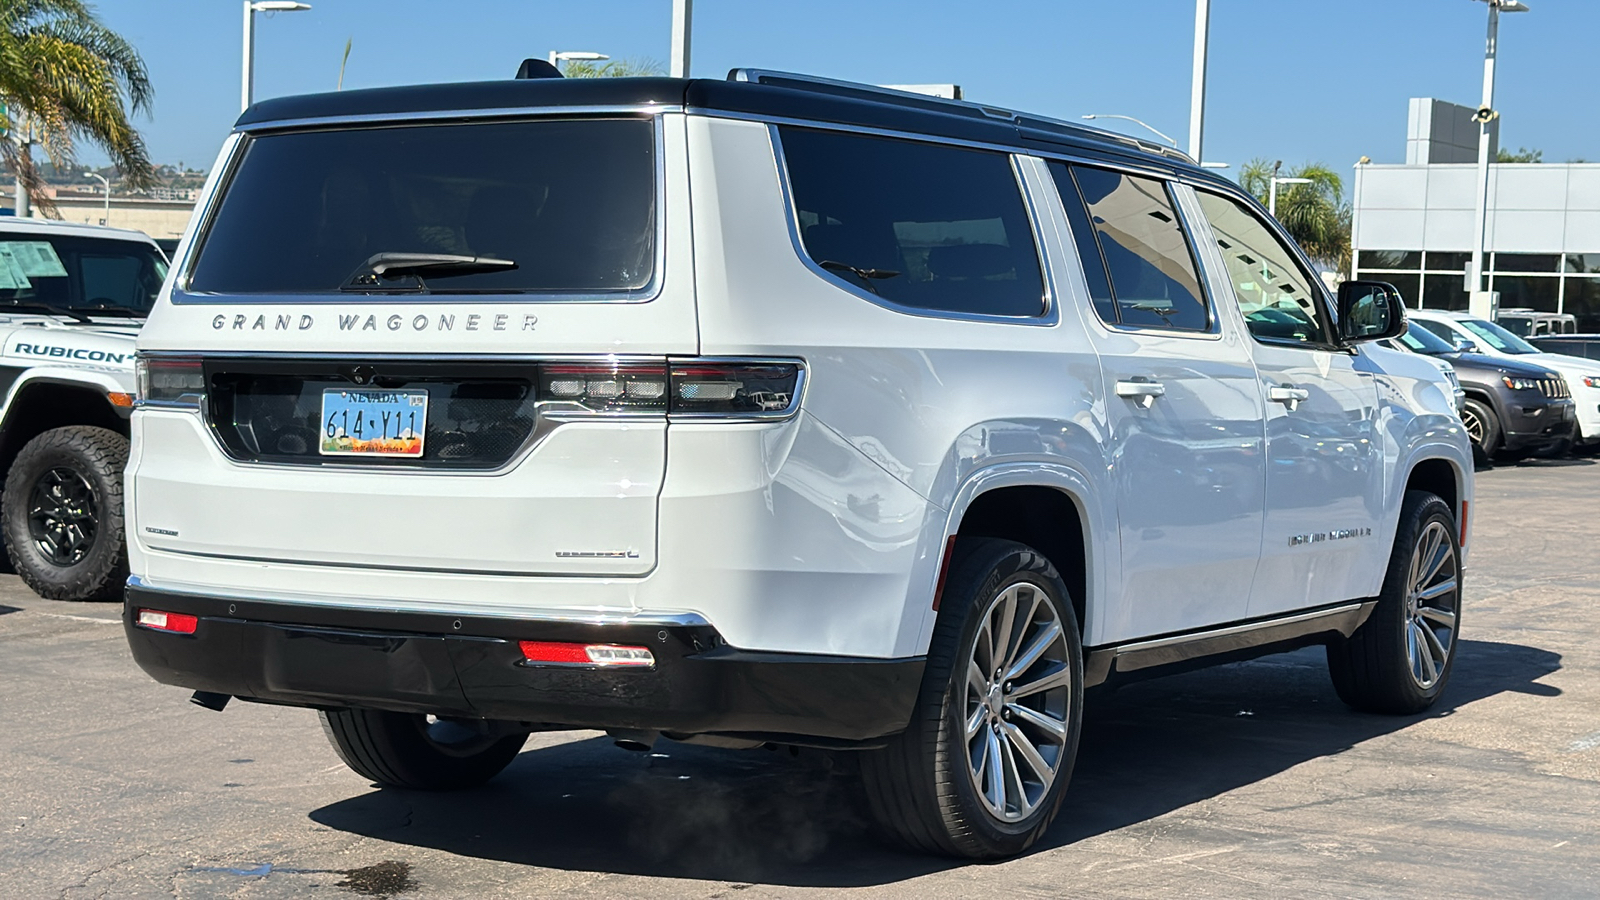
(380, 423)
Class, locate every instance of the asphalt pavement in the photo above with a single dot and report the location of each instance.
(1247, 780)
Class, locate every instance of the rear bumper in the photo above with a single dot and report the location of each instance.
(465, 666)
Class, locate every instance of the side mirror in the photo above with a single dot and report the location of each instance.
(1463, 345)
(1370, 311)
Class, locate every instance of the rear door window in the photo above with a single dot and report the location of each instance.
(569, 204)
(921, 225)
(1147, 255)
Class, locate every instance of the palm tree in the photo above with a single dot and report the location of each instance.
(616, 68)
(1314, 214)
(66, 78)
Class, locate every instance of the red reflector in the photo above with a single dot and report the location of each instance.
(1463, 538)
(944, 571)
(177, 623)
(564, 653)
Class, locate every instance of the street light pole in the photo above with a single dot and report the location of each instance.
(559, 56)
(1485, 115)
(1272, 192)
(247, 79)
(105, 217)
(1197, 83)
(682, 32)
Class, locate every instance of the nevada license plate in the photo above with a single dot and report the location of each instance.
(373, 423)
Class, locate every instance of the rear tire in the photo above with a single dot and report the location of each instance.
(410, 751)
(1483, 427)
(933, 787)
(1400, 659)
(61, 514)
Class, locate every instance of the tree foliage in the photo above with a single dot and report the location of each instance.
(1314, 214)
(1521, 155)
(612, 68)
(66, 78)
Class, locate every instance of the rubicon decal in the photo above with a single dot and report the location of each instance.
(376, 321)
(83, 354)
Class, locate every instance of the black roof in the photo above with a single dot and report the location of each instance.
(761, 94)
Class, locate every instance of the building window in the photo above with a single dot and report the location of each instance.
(1582, 300)
(1526, 262)
(1446, 291)
(1583, 262)
(1409, 284)
(1389, 259)
(1436, 261)
(1528, 292)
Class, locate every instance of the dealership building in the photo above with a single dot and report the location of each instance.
(1412, 224)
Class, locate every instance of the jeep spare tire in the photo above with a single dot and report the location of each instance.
(61, 514)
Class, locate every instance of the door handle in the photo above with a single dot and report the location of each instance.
(1142, 392)
(1289, 395)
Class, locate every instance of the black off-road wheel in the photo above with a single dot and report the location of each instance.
(61, 514)
(1400, 659)
(981, 770)
(420, 752)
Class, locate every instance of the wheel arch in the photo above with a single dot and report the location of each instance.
(41, 403)
(1052, 508)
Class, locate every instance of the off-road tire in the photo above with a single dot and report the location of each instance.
(1484, 450)
(1372, 669)
(98, 455)
(395, 749)
(918, 788)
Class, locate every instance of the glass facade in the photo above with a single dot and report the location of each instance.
(1548, 282)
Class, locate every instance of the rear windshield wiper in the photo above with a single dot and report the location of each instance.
(867, 276)
(50, 308)
(381, 267)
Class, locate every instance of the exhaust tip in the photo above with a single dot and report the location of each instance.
(637, 741)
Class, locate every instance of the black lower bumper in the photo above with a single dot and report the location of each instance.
(1540, 427)
(466, 666)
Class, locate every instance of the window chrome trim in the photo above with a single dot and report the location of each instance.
(181, 295)
(1049, 316)
(400, 604)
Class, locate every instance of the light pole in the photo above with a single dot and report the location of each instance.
(105, 218)
(1272, 189)
(1486, 114)
(251, 7)
(1197, 82)
(682, 31)
(1139, 122)
(559, 56)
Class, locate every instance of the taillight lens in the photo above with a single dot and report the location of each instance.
(735, 389)
(176, 623)
(566, 653)
(682, 388)
(168, 381)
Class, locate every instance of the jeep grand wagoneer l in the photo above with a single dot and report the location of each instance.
(766, 410)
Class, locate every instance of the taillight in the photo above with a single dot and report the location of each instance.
(692, 388)
(170, 381)
(566, 653)
(177, 623)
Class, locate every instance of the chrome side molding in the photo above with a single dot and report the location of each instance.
(1101, 663)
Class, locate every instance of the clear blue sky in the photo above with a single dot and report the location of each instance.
(1295, 80)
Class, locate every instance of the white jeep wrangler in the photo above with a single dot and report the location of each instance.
(766, 410)
(72, 299)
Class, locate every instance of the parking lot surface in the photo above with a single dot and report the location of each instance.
(1249, 780)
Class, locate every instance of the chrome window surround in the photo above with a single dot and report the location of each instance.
(205, 215)
(399, 604)
(1048, 316)
(549, 415)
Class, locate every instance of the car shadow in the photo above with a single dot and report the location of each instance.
(796, 819)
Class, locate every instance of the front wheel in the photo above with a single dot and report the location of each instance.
(61, 514)
(981, 770)
(416, 751)
(1400, 659)
(1483, 429)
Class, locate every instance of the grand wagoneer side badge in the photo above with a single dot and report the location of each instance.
(1340, 534)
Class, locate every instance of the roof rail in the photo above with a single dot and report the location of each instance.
(939, 104)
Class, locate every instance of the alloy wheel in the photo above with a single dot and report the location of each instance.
(1474, 426)
(63, 516)
(1433, 592)
(1016, 702)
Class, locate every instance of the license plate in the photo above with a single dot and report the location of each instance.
(373, 423)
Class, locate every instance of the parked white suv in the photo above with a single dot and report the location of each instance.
(72, 298)
(767, 410)
(1581, 375)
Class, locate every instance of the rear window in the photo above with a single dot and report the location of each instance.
(921, 225)
(101, 276)
(561, 206)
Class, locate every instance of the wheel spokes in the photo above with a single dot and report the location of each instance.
(1441, 617)
(1058, 677)
(1054, 728)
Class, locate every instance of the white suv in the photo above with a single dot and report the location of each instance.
(767, 410)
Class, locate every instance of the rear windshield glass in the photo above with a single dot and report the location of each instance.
(99, 276)
(564, 207)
